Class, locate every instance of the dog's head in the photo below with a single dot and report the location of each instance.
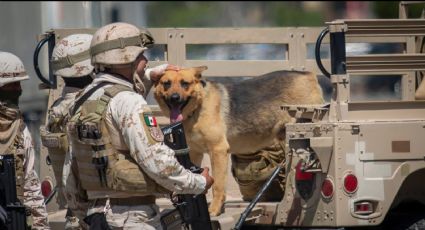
(179, 93)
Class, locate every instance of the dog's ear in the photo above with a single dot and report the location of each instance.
(199, 70)
(204, 83)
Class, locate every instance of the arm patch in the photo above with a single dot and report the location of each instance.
(151, 127)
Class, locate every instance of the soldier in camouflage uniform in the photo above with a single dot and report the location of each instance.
(71, 61)
(15, 138)
(121, 158)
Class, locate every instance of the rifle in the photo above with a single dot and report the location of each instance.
(257, 197)
(16, 215)
(192, 208)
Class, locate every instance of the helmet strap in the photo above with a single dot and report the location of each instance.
(139, 87)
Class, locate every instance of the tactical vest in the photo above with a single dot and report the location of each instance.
(17, 148)
(54, 139)
(102, 167)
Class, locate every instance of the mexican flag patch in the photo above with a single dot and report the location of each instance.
(150, 120)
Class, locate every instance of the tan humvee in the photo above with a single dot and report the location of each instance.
(355, 161)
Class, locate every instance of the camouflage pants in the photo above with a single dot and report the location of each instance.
(132, 217)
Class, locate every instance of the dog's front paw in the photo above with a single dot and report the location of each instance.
(214, 211)
(216, 207)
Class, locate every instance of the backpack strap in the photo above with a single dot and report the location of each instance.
(85, 96)
(109, 93)
(114, 90)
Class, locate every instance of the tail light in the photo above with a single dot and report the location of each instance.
(363, 208)
(304, 181)
(350, 183)
(327, 188)
(46, 187)
(300, 175)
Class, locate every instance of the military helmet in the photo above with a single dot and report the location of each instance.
(11, 69)
(118, 43)
(71, 56)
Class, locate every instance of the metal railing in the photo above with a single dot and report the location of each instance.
(297, 40)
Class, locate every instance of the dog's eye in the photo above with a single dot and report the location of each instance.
(184, 84)
(166, 84)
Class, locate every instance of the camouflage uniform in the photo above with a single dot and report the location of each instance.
(70, 60)
(122, 161)
(15, 138)
(32, 198)
(75, 196)
(128, 133)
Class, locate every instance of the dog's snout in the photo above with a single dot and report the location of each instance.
(175, 97)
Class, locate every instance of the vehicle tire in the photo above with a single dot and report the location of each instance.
(419, 225)
(405, 221)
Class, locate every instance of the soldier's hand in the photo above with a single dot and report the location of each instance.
(156, 72)
(208, 178)
(3, 216)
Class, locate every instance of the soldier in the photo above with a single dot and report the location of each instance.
(15, 138)
(117, 143)
(71, 61)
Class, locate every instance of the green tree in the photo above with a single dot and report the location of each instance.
(182, 14)
(292, 14)
(231, 14)
(389, 9)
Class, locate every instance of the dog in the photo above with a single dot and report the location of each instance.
(235, 118)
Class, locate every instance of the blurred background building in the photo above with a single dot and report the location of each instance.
(22, 22)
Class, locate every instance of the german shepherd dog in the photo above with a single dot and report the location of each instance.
(234, 118)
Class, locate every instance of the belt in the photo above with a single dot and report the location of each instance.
(129, 201)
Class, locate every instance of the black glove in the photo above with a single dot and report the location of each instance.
(97, 221)
(3, 216)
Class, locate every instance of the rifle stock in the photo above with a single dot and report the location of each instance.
(193, 208)
(16, 215)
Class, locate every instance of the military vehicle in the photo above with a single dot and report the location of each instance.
(356, 161)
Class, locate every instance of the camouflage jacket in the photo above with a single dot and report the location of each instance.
(60, 109)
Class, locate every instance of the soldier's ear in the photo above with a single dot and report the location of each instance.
(199, 70)
(155, 83)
